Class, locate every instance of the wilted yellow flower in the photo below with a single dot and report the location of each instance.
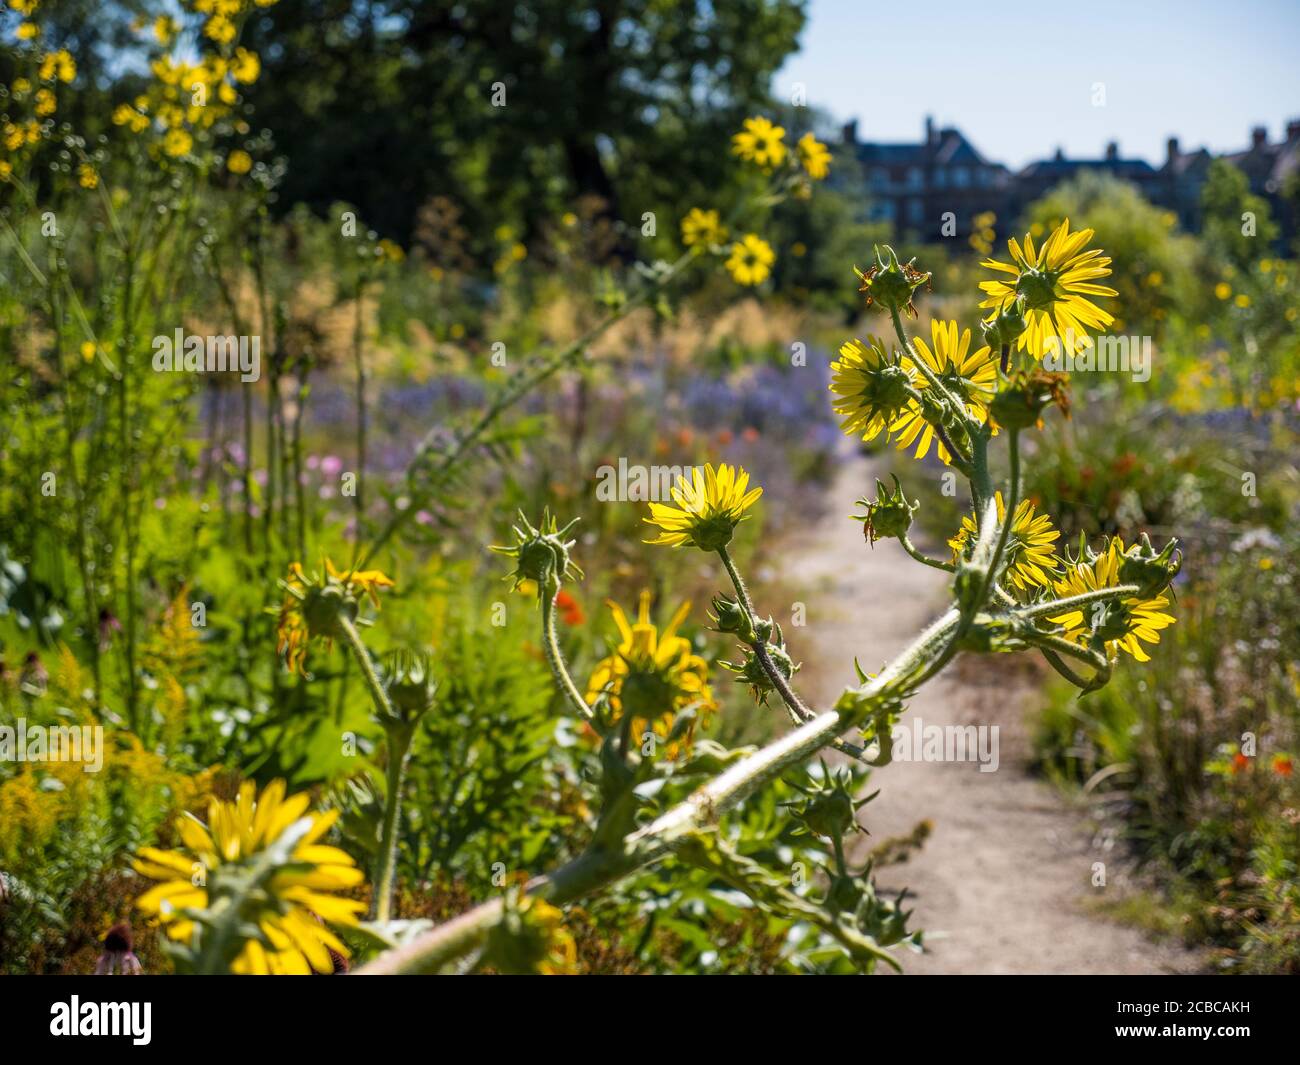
(313, 604)
(815, 156)
(751, 260)
(970, 376)
(1054, 284)
(760, 142)
(297, 897)
(702, 227)
(1031, 545)
(1121, 624)
(709, 507)
(653, 675)
(239, 162)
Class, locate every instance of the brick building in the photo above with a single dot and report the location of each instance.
(914, 186)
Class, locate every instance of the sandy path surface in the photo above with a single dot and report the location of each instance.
(1003, 883)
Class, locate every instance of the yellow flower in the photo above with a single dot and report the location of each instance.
(709, 507)
(751, 260)
(969, 376)
(239, 162)
(45, 103)
(815, 156)
(13, 137)
(1242, 300)
(177, 142)
(21, 86)
(87, 351)
(312, 605)
(1030, 551)
(1122, 624)
(24, 7)
(702, 227)
(219, 29)
(760, 142)
(87, 177)
(164, 29)
(28, 31)
(246, 66)
(871, 389)
(295, 898)
(1054, 283)
(6, 170)
(58, 65)
(652, 675)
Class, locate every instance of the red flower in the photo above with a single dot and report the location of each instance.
(570, 609)
(1239, 762)
(1282, 765)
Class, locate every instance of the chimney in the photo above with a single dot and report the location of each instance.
(1293, 129)
(850, 131)
(1171, 150)
(1060, 155)
(930, 135)
(1258, 137)
(1112, 151)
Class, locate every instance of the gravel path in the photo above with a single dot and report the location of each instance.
(1003, 883)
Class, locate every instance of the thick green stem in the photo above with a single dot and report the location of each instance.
(399, 750)
(596, 868)
(554, 657)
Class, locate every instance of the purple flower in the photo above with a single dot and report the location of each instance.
(119, 957)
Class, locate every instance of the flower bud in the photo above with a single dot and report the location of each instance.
(541, 553)
(890, 284)
(888, 516)
(410, 686)
(1151, 572)
(1021, 403)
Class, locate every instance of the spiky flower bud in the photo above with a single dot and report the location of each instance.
(1021, 403)
(889, 283)
(541, 553)
(409, 683)
(1151, 572)
(889, 515)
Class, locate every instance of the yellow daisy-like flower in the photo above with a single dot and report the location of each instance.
(239, 162)
(58, 66)
(815, 157)
(709, 507)
(177, 142)
(296, 898)
(760, 142)
(870, 388)
(751, 260)
(702, 227)
(1031, 545)
(27, 31)
(246, 67)
(1055, 282)
(1123, 624)
(971, 376)
(653, 675)
(312, 606)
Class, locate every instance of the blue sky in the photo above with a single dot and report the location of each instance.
(1018, 77)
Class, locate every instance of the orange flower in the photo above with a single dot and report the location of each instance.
(1282, 765)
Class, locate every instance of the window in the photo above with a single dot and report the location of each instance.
(960, 177)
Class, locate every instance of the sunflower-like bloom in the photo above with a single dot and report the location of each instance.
(709, 507)
(652, 674)
(970, 376)
(313, 605)
(1030, 549)
(1054, 283)
(815, 157)
(760, 142)
(286, 903)
(702, 227)
(1122, 624)
(870, 388)
(751, 260)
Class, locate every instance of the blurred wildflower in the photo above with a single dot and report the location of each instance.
(313, 605)
(814, 156)
(119, 957)
(262, 856)
(702, 227)
(652, 675)
(760, 142)
(751, 260)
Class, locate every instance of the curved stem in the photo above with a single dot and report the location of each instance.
(554, 657)
(911, 549)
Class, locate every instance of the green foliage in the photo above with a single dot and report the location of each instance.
(1238, 225)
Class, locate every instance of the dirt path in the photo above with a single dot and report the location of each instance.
(1003, 883)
